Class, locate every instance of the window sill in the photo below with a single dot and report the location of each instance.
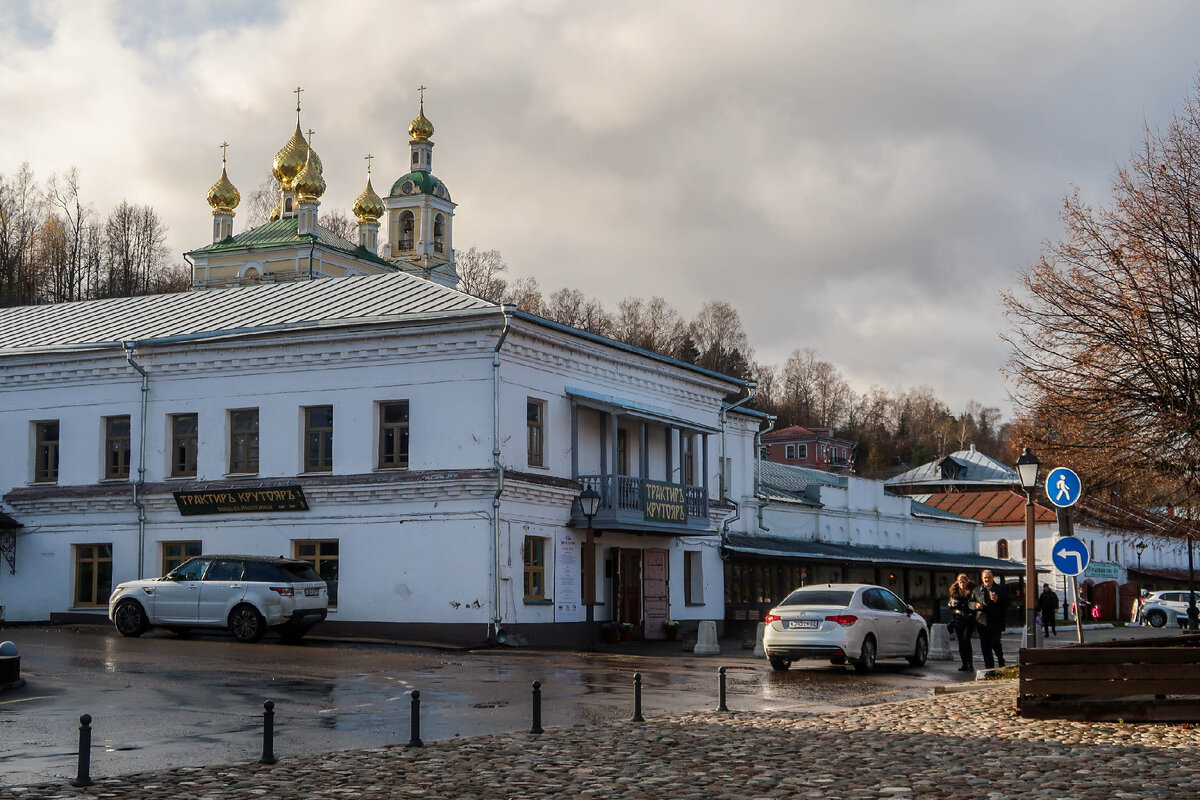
(390, 469)
(694, 605)
(533, 601)
(191, 477)
(240, 474)
(542, 467)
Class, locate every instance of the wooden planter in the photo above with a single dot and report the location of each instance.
(1154, 680)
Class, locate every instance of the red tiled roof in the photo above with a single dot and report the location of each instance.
(788, 432)
(990, 508)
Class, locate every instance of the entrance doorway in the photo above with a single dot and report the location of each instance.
(656, 599)
(629, 586)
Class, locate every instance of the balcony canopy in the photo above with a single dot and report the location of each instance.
(634, 409)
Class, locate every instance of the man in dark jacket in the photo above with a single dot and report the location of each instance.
(989, 601)
(1047, 606)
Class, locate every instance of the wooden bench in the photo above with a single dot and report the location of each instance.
(1156, 680)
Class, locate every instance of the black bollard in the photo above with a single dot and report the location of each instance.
(415, 739)
(82, 778)
(722, 706)
(537, 708)
(637, 697)
(268, 756)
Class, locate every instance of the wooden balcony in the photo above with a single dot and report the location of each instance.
(639, 505)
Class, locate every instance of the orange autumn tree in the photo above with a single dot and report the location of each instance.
(1105, 336)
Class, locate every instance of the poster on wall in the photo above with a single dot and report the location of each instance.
(568, 572)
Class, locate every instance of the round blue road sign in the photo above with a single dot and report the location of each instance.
(1063, 487)
(1070, 556)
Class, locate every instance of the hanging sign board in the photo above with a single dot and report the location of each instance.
(665, 502)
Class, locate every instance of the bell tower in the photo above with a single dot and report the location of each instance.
(420, 214)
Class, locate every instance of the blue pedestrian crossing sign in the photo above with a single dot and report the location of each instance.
(1070, 556)
(1063, 487)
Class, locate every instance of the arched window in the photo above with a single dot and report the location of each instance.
(407, 227)
(416, 157)
(1002, 548)
(287, 205)
(251, 276)
(439, 234)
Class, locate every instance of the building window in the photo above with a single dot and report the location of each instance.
(243, 441)
(393, 435)
(622, 451)
(789, 451)
(93, 574)
(323, 555)
(1002, 548)
(439, 234)
(687, 442)
(533, 553)
(802, 451)
(535, 425)
(175, 553)
(116, 447)
(407, 231)
(184, 441)
(45, 452)
(318, 439)
(693, 577)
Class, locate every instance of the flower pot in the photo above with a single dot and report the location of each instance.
(626, 634)
(611, 636)
(672, 633)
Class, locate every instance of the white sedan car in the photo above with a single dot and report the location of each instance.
(844, 622)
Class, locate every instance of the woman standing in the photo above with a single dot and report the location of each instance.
(962, 620)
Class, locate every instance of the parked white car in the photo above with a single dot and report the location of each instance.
(844, 622)
(247, 594)
(1167, 608)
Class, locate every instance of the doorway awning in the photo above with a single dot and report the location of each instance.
(740, 544)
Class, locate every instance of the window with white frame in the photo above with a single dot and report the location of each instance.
(393, 435)
(535, 426)
(789, 451)
(243, 441)
(45, 452)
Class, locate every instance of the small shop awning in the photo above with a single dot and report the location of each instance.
(632, 408)
(782, 547)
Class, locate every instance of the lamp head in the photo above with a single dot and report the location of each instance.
(1027, 470)
(589, 502)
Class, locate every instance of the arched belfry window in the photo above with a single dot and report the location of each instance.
(439, 234)
(1002, 548)
(287, 205)
(407, 227)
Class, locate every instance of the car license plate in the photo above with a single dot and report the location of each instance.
(800, 624)
(312, 592)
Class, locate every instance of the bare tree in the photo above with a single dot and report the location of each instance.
(135, 250)
(257, 204)
(341, 223)
(525, 295)
(480, 272)
(1106, 324)
(21, 214)
(720, 339)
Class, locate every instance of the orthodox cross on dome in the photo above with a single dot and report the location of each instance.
(310, 132)
(368, 157)
(224, 147)
(297, 92)
(421, 89)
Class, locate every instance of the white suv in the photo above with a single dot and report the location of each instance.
(1167, 608)
(247, 594)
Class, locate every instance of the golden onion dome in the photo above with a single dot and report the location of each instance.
(276, 212)
(223, 196)
(309, 184)
(420, 129)
(368, 207)
(290, 159)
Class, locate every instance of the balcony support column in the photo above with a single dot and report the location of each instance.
(643, 453)
(705, 468)
(670, 451)
(574, 440)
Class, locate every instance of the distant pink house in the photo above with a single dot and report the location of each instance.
(816, 448)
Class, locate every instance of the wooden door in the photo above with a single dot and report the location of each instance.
(656, 603)
(629, 586)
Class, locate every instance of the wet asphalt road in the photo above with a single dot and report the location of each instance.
(162, 700)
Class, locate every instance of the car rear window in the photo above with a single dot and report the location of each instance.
(301, 572)
(818, 597)
(266, 573)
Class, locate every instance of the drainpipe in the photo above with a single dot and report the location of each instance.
(762, 498)
(496, 617)
(141, 477)
(310, 256)
(191, 270)
(751, 387)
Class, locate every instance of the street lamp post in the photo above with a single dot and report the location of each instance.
(1140, 546)
(589, 504)
(1027, 471)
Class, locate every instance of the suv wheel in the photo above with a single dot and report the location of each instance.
(130, 618)
(1157, 618)
(246, 624)
(779, 664)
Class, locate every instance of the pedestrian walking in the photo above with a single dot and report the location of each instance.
(1047, 606)
(1083, 609)
(990, 601)
(962, 621)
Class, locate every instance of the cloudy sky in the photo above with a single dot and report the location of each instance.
(858, 178)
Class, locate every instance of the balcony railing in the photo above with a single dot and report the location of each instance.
(406, 244)
(623, 502)
(439, 247)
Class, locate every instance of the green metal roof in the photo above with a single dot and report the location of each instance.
(282, 233)
(424, 181)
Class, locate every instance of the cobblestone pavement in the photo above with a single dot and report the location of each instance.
(968, 744)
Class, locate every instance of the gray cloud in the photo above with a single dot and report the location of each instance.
(861, 178)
